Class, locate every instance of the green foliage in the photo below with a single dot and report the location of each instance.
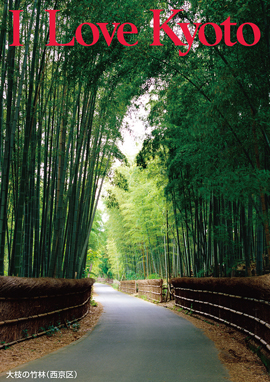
(210, 135)
(131, 275)
(198, 202)
(61, 119)
(76, 326)
(5, 346)
(111, 201)
(87, 272)
(153, 276)
(120, 181)
(135, 229)
(51, 330)
(104, 267)
(93, 303)
(208, 322)
(143, 297)
(115, 285)
(25, 333)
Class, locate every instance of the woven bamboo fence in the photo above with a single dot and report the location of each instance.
(152, 289)
(128, 286)
(243, 303)
(104, 280)
(29, 307)
(100, 280)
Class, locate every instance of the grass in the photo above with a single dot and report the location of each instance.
(5, 346)
(208, 322)
(76, 326)
(93, 303)
(143, 298)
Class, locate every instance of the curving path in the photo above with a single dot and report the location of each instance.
(134, 341)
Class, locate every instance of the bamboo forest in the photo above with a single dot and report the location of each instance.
(194, 199)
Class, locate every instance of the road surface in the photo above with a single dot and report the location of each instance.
(134, 341)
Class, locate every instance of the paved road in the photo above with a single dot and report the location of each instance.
(134, 341)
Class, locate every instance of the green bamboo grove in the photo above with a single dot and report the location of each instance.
(195, 201)
(60, 118)
(197, 204)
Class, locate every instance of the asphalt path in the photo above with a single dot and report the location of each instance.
(134, 341)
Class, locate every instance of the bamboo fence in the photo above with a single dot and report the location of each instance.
(104, 280)
(128, 286)
(32, 307)
(243, 303)
(152, 289)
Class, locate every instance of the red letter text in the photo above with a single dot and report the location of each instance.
(106, 34)
(188, 36)
(218, 32)
(16, 28)
(52, 40)
(95, 32)
(165, 27)
(256, 32)
(120, 34)
(227, 31)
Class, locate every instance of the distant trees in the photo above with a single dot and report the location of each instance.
(137, 224)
